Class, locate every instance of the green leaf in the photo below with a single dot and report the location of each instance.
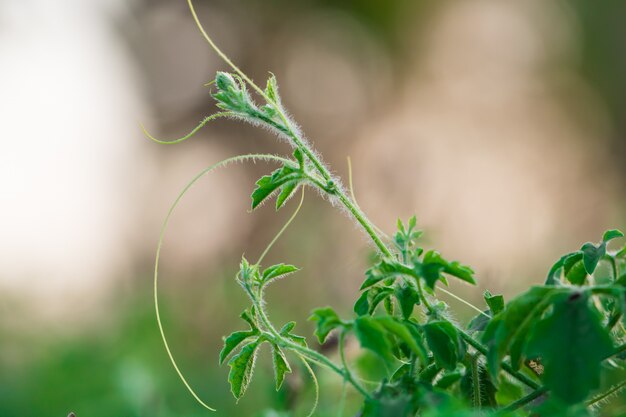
(241, 367)
(326, 321)
(248, 317)
(233, 340)
(287, 328)
(407, 296)
(277, 271)
(362, 305)
(592, 255)
(281, 366)
(403, 332)
(286, 191)
(436, 264)
(508, 330)
(571, 343)
(386, 268)
(443, 340)
(612, 234)
(373, 336)
(495, 302)
(286, 332)
(574, 270)
(378, 295)
(285, 176)
(271, 90)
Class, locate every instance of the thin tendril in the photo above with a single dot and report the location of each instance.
(222, 54)
(282, 230)
(239, 158)
(188, 135)
(467, 303)
(315, 383)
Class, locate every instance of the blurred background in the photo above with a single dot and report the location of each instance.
(499, 124)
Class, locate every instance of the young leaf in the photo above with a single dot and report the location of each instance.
(362, 305)
(592, 255)
(277, 271)
(407, 296)
(285, 176)
(286, 331)
(241, 367)
(378, 295)
(495, 302)
(402, 331)
(443, 340)
(271, 90)
(387, 268)
(287, 328)
(612, 234)
(434, 262)
(281, 366)
(373, 336)
(571, 343)
(233, 340)
(326, 321)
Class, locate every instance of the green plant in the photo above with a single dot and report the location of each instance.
(543, 352)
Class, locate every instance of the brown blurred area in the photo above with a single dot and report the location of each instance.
(499, 124)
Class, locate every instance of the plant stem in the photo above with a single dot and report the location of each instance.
(505, 366)
(611, 391)
(311, 354)
(522, 401)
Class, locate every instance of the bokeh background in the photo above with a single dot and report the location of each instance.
(500, 124)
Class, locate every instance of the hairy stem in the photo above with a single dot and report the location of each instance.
(306, 352)
(614, 389)
(505, 366)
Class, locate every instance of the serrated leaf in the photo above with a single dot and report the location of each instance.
(443, 340)
(385, 269)
(233, 340)
(434, 264)
(241, 367)
(277, 271)
(326, 321)
(281, 366)
(373, 336)
(592, 255)
(407, 296)
(268, 184)
(286, 331)
(612, 234)
(571, 343)
(495, 302)
(286, 191)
